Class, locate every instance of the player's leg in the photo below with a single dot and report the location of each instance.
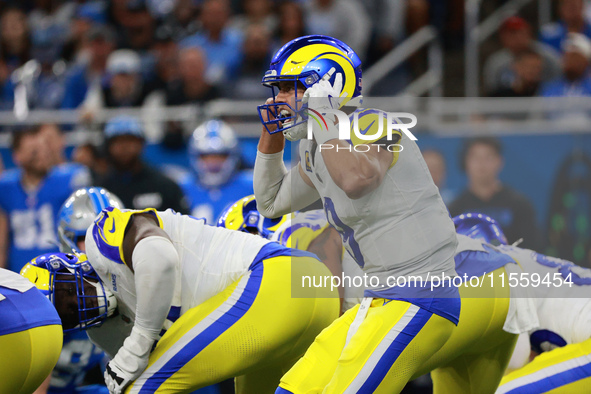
(315, 369)
(27, 358)
(391, 344)
(262, 380)
(478, 373)
(32, 340)
(253, 324)
(563, 370)
(479, 347)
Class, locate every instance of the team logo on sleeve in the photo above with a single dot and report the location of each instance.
(308, 164)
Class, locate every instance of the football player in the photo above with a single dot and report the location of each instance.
(79, 355)
(216, 179)
(563, 335)
(216, 303)
(384, 204)
(30, 335)
(307, 231)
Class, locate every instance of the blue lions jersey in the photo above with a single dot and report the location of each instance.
(209, 203)
(32, 215)
(78, 356)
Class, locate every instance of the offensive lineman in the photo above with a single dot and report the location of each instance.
(389, 213)
(30, 335)
(563, 335)
(220, 300)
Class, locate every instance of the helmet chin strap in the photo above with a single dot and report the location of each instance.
(110, 297)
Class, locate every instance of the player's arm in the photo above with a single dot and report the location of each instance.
(150, 254)
(328, 246)
(356, 173)
(277, 190)
(3, 239)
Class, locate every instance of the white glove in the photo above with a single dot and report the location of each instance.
(129, 362)
(324, 96)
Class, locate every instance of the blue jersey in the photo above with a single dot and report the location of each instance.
(78, 356)
(210, 203)
(32, 215)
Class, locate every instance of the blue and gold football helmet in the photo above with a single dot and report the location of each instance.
(480, 226)
(72, 273)
(307, 60)
(243, 216)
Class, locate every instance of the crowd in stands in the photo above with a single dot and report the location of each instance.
(553, 64)
(98, 53)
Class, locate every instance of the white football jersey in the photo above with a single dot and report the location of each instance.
(401, 228)
(564, 310)
(210, 258)
(14, 281)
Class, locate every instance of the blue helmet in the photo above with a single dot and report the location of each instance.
(244, 216)
(480, 226)
(63, 272)
(78, 213)
(307, 60)
(214, 137)
(123, 125)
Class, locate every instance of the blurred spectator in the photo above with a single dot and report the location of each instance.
(182, 21)
(291, 23)
(220, 42)
(256, 56)
(342, 19)
(516, 37)
(52, 17)
(31, 197)
(89, 75)
(165, 50)
(388, 27)
(216, 180)
(256, 12)
(90, 156)
(124, 87)
(54, 142)
(15, 43)
(88, 15)
(482, 160)
(575, 80)
(137, 185)
(571, 20)
(528, 70)
(191, 87)
(438, 169)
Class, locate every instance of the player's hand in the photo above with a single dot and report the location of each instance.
(129, 362)
(116, 379)
(323, 95)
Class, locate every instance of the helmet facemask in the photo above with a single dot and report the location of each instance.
(94, 302)
(278, 120)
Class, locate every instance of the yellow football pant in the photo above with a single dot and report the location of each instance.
(565, 370)
(390, 345)
(253, 330)
(27, 358)
(476, 355)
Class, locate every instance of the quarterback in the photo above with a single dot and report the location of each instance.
(385, 206)
(184, 305)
